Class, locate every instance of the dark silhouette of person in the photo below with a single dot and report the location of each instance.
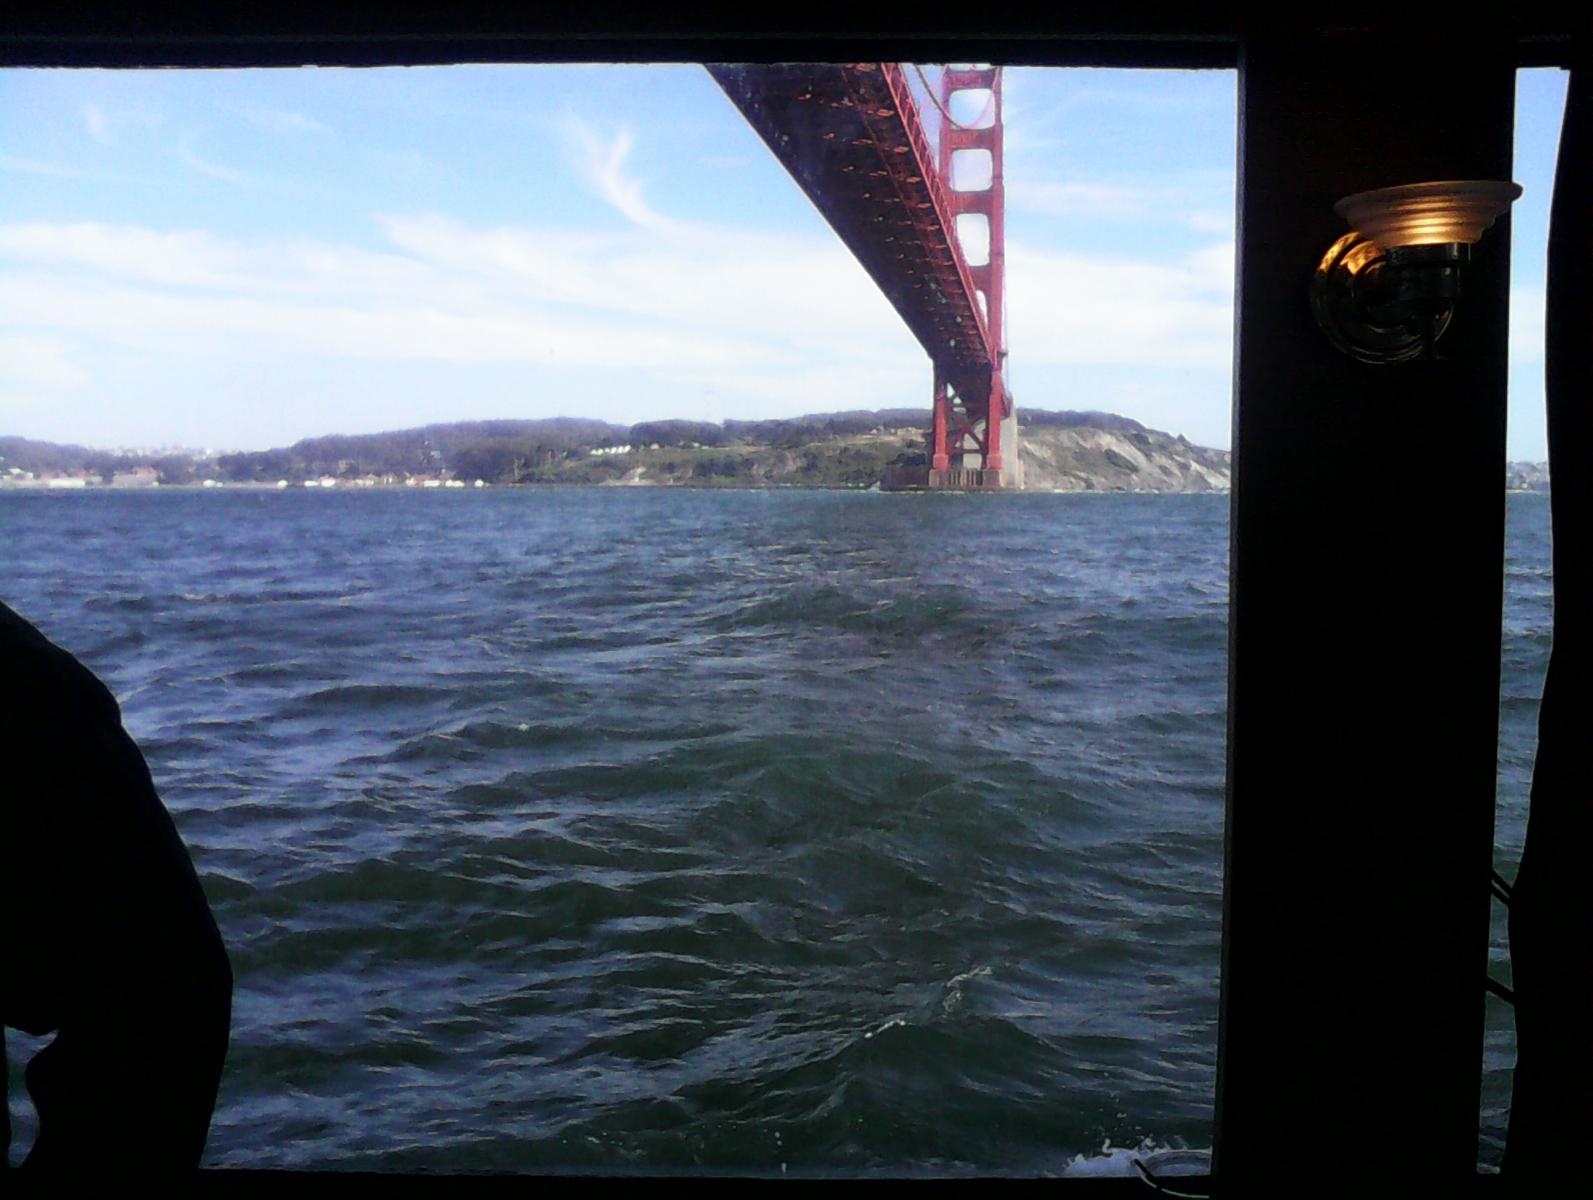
(109, 942)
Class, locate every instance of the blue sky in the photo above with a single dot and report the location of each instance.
(241, 259)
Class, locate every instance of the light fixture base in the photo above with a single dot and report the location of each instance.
(1365, 312)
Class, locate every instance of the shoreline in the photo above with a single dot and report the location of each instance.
(36, 488)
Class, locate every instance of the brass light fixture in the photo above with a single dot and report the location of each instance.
(1385, 291)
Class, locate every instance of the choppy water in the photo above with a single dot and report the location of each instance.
(654, 829)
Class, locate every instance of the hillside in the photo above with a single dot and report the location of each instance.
(1527, 477)
(1061, 451)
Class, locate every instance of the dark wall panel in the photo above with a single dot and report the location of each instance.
(1368, 534)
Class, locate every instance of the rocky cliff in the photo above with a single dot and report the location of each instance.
(1128, 458)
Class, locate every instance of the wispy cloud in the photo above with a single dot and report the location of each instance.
(602, 165)
(1039, 114)
(1197, 205)
(30, 361)
(804, 291)
(51, 170)
(281, 122)
(1089, 200)
(184, 259)
(94, 120)
(1211, 220)
(1085, 309)
(448, 293)
(215, 170)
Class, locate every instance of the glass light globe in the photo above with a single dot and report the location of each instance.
(1428, 214)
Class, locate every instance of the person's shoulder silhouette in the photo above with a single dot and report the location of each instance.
(109, 941)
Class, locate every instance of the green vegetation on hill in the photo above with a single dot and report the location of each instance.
(835, 462)
(495, 451)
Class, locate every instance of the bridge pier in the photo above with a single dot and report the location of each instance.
(970, 447)
(1012, 463)
(944, 479)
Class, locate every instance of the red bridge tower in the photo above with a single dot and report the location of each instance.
(971, 408)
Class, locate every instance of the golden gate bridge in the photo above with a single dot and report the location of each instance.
(905, 183)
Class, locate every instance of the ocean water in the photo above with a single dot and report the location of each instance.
(650, 830)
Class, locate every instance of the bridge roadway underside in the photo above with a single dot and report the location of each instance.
(842, 133)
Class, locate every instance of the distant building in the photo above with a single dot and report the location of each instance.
(137, 477)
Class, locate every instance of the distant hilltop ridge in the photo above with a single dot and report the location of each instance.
(1061, 451)
(1070, 451)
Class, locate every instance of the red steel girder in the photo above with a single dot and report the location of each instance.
(850, 136)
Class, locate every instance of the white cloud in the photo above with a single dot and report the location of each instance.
(50, 170)
(94, 120)
(1211, 220)
(1191, 206)
(215, 170)
(374, 327)
(1092, 200)
(29, 361)
(182, 258)
(1212, 267)
(601, 165)
(816, 387)
(805, 291)
(688, 301)
(1067, 308)
(282, 122)
(1527, 306)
